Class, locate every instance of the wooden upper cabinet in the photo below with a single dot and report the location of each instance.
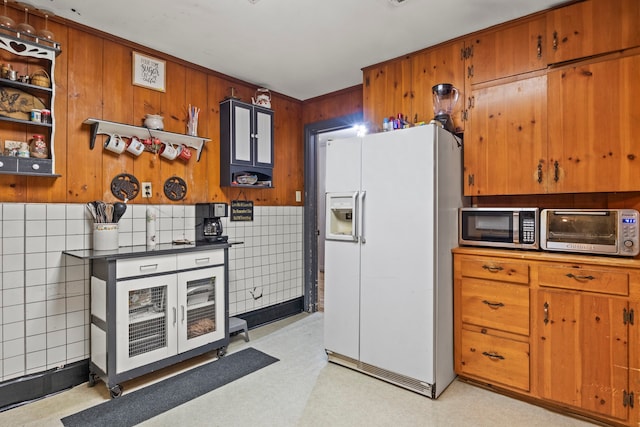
(386, 91)
(506, 138)
(593, 125)
(403, 85)
(592, 27)
(513, 49)
(442, 64)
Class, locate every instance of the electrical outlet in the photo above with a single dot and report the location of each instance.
(146, 189)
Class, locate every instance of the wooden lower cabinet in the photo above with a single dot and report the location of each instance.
(567, 337)
(583, 344)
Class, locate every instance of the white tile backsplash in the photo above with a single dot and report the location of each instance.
(44, 298)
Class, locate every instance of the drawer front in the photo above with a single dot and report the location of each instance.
(584, 279)
(8, 164)
(506, 271)
(498, 360)
(33, 165)
(142, 266)
(200, 259)
(495, 305)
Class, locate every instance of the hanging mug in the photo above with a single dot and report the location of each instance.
(184, 153)
(115, 144)
(168, 151)
(135, 147)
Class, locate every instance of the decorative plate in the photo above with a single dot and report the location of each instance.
(175, 188)
(246, 179)
(125, 186)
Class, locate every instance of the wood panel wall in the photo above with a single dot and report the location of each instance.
(336, 104)
(93, 79)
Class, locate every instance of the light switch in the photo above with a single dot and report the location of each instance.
(298, 196)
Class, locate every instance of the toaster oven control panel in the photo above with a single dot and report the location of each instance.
(629, 232)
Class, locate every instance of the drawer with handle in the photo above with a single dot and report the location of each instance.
(143, 266)
(506, 271)
(498, 360)
(584, 279)
(495, 305)
(200, 259)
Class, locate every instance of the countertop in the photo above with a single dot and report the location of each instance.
(533, 255)
(143, 250)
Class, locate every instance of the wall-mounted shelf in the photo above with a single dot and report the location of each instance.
(105, 127)
(27, 54)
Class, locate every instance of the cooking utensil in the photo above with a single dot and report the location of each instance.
(108, 212)
(92, 209)
(119, 209)
(100, 211)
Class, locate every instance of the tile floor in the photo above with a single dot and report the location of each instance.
(303, 389)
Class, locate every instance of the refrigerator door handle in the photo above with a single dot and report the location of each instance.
(361, 237)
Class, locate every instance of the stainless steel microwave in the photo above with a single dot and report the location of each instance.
(592, 231)
(499, 227)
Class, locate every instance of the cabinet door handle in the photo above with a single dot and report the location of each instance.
(175, 316)
(556, 171)
(202, 260)
(494, 356)
(546, 313)
(494, 305)
(539, 172)
(492, 268)
(149, 267)
(555, 40)
(182, 307)
(539, 48)
(579, 277)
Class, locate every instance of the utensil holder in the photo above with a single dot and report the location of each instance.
(105, 236)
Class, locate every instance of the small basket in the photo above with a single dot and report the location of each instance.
(41, 78)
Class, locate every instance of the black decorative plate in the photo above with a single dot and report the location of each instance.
(125, 186)
(175, 188)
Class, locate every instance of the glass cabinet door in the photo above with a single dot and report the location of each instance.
(201, 307)
(146, 318)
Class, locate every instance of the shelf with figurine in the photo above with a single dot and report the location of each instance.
(27, 98)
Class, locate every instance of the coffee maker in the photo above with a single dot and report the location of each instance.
(208, 223)
(445, 96)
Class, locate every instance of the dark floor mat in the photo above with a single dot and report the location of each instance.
(135, 407)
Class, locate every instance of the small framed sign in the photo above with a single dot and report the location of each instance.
(241, 210)
(149, 72)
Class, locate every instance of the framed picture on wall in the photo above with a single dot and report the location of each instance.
(148, 72)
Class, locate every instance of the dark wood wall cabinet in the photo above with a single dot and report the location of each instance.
(27, 93)
(246, 145)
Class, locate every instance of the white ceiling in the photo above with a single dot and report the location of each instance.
(299, 48)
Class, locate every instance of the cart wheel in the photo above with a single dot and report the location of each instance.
(222, 351)
(115, 391)
(92, 379)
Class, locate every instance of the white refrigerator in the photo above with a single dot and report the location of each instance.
(391, 221)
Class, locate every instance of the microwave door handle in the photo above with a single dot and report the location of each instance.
(516, 227)
(361, 237)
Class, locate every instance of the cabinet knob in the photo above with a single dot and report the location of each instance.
(1, 164)
(35, 167)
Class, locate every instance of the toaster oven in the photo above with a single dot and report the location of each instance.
(592, 231)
